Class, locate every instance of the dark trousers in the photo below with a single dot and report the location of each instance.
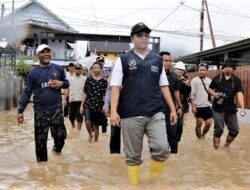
(115, 140)
(174, 132)
(180, 126)
(43, 121)
(66, 108)
(104, 123)
(74, 112)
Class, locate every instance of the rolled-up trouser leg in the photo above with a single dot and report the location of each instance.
(231, 122)
(219, 119)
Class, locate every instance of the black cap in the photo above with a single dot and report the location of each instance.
(229, 62)
(100, 59)
(140, 27)
(78, 65)
(71, 65)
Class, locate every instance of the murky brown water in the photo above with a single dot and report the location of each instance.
(90, 166)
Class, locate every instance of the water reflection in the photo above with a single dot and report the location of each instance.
(90, 166)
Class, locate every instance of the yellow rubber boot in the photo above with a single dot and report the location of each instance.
(156, 168)
(134, 174)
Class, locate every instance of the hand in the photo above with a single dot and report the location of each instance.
(115, 119)
(194, 110)
(55, 84)
(186, 82)
(242, 112)
(179, 111)
(216, 95)
(173, 117)
(65, 102)
(81, 109)
(20, 118)
(105, 110)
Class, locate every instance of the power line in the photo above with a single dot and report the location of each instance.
(230, 11)
(183, 26)
(181, 3)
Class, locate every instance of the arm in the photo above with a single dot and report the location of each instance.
(84, 95)
(114, 117)
(213, 93)
(83, 100)
(107, 100)
(115, 83)
(66, 94)
(211, 89)
(240, 99)
(169, 101)
(178, 100)
(193, 95)
(27, 92)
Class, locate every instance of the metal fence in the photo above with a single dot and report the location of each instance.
(9, 92)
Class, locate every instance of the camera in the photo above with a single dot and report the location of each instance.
(183, 78)
(222, 98)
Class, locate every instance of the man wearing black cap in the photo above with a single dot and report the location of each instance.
(100, 59)
(45, 82)
(138, 82)
(74, 94)
(224, 87)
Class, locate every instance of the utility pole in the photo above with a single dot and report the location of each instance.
(12, 17)
(2, 13)
(202, 25)
(210, 26)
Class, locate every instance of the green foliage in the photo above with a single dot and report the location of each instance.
(22, 67)
(190, 67)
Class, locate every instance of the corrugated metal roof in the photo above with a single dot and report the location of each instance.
(38, 16)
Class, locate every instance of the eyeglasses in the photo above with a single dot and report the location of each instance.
(77, 68)
(142, 34)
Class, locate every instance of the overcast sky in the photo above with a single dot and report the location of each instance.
(230, 19)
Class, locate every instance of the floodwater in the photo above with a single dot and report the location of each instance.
(90, 166)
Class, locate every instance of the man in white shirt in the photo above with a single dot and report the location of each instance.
(199, 97)
(138, 82)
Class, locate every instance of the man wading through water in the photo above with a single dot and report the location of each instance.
(138, 82)
(45, 81)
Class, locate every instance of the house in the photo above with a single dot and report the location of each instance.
(109, 50)
(34, 24)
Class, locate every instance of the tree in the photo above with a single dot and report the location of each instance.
(22, 67)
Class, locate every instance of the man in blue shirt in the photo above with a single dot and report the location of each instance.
(45, 82)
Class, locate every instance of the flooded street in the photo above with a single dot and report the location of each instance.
(90, 166)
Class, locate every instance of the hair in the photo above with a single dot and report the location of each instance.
(71, 64)
(164, 53)
(97, 63)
